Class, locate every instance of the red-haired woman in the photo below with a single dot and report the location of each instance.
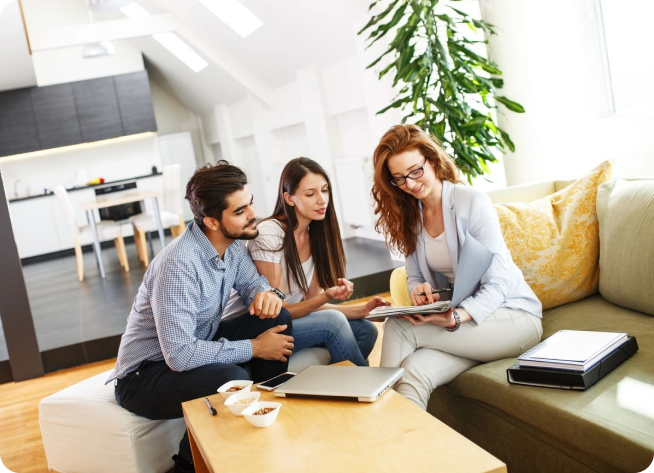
(426, 214)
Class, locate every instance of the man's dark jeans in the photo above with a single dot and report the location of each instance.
(155, 391)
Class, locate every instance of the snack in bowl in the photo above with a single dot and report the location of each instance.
(247, 400)
(232, 387)
(262, 414)
(239, 401)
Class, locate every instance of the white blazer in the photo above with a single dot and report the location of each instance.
(467, 210)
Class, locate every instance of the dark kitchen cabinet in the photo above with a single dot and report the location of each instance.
(78, 112)
(55, 115)
(97, 109)
(135, 103)
(17, 127)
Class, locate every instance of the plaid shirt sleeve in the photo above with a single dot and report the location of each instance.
(248, 281)
(175, 300)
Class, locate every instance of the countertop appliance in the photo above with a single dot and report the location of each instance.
(119, 212)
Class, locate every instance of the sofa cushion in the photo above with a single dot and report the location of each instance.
(398, 288)
(554, 240)
(625, 210)
(614, 419)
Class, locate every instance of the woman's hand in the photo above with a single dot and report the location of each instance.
(370, 305)
(445, 319)
(341, 292)
(427, 298)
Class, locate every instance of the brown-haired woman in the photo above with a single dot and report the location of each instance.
(427, 214)
(299, 249)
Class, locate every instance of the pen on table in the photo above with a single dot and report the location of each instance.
(433, 291)
(211, 408)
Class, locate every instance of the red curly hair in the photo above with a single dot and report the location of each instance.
(399, 214)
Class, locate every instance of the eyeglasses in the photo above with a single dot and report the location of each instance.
(415, 174)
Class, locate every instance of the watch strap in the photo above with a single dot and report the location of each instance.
(457, 322)
(279, 293)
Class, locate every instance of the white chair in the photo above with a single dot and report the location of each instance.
(107, 230)
(172, 215)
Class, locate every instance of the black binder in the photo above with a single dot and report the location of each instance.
(577, 380)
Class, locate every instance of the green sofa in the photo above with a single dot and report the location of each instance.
(609, 427)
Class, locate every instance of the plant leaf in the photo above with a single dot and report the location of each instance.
(507, 140)
(510, 104)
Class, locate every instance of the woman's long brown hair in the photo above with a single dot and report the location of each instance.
(324, 235)
(399, 213)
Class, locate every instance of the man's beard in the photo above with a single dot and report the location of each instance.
(243, 235)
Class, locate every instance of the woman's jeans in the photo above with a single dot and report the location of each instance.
(345, 339)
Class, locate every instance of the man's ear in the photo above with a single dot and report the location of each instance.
(288, 200)
(211, 223)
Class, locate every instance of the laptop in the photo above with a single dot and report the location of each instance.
(345, 383)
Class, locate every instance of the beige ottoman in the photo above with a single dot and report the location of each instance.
(85, 431)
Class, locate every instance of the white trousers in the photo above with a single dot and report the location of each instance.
(431, 356)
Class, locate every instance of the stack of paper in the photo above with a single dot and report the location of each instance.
(574, 350)
(388, 311)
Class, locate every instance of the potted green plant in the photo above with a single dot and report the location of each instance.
(444, 79)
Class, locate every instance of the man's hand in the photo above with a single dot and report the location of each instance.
(266, 305)
(273, 345)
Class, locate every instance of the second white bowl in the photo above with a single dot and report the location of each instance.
(236, 402)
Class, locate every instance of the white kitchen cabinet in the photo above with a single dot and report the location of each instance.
(35, 229)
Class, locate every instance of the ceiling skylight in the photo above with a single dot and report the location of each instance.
(234, 14)
(181, 50)
(173, 43)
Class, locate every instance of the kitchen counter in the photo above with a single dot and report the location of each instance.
(73, 189)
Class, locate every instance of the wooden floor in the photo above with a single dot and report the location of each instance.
(21, 447)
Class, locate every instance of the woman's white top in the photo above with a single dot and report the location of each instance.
(269, 247)
(468, 212)
(437, 255)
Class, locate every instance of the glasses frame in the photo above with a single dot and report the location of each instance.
(417, 174)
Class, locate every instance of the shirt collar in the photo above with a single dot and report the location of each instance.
(207, 248)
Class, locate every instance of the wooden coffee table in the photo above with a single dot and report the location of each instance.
(390, 434)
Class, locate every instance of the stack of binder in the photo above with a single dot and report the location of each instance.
(572, 359)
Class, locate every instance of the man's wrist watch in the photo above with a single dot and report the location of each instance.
(457, 322)
(279, 293)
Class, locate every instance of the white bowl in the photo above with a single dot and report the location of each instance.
(262, 420)
(246, 384)
(234, 401)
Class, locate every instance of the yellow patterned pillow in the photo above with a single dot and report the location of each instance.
(555, 240)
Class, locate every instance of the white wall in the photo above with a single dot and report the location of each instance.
(558, 74)
(173, 117)
(323, 114)
(112, 159)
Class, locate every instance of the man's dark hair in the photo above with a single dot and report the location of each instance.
(210, 186)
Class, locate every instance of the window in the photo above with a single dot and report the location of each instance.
(629, 46)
